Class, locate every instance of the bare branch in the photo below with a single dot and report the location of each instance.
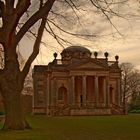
(51, 32)
(22, 7)
(35, 49)
(73, 7)
(105, 11)
(33, 19)
(70, 33)
(9, 4)
(1, 8)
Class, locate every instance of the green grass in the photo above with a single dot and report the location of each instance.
(78, 128)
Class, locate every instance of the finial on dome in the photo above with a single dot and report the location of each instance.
(95, 54)
(55, 55)
(106, 54)
(117, 58)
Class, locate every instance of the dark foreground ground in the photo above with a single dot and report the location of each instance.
(78, 128)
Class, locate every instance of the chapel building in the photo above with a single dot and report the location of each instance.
(77, 84)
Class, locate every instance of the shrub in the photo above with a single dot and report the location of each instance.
(133, 107)
(135, 111)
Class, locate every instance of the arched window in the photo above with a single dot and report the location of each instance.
(62, 93)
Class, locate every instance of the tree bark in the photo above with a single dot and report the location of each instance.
(11, 86)
(11, 78)
(14, 118)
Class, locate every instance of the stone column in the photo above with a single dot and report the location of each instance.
(53, 92)
(107, 92)
(73, 90)
(51, 98)
(104, 89)
(48, 96)
(69, 91)
(96, 90)
(84, 90)
(34, 104)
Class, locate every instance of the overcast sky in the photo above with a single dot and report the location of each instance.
(126, 45)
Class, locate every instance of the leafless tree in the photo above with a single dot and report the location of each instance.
(17, 20)
(130, 82)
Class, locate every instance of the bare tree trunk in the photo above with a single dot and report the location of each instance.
(11, 86)
(11, 83)
(11, 78)
(124, 103)
(14, 118)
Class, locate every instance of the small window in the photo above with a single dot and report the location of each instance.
(61, 93)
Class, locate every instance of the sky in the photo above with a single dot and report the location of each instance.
(124, 42)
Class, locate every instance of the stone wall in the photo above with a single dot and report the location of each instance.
(81, 112)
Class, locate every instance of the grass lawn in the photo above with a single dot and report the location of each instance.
(78, 128)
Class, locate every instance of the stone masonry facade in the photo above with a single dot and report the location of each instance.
(77, 84)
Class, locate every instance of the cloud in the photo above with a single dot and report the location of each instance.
(93, 23)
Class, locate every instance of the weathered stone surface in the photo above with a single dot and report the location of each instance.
(79, 85)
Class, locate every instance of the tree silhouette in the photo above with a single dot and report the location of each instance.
(130, 83)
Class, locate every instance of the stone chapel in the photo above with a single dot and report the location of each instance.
(77, 84)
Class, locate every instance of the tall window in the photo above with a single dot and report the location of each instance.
(111, 93)
(62, 93)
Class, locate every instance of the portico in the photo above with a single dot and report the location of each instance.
(89, 90)
(78, 85)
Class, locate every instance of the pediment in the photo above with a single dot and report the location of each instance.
(89, 65)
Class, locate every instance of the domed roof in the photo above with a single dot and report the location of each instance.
(76, 52)
(76, 48)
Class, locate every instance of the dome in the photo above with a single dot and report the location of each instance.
(77, 52)
(76, 48)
